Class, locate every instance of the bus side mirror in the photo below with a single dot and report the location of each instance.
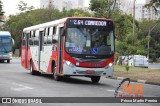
(13, 42)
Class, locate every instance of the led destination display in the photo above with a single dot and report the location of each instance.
(86, 22)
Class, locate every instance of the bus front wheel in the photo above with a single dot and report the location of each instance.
(95, 79)
(8, 61)
(55, 76)
(32, 71)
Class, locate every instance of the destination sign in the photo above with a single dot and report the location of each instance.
(84, 22)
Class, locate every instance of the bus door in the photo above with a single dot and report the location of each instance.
(60, 49)
(26, 50)
(40, 50)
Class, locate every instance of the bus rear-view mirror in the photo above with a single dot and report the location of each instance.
(13, 41)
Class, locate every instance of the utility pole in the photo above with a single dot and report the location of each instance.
(133, 21)
(149, 34)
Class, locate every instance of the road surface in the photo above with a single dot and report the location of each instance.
(15, 81)
(154, 66)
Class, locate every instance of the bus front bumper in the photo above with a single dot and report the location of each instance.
(82, 71)
(6, 57)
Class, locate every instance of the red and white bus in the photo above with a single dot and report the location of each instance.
(72, 46)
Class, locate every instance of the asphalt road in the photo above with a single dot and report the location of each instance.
(154, 66)
(15, 81)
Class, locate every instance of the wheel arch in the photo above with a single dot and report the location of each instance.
(30, 60)
(53, 64)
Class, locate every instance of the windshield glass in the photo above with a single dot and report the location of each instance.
(5, 44)
(90, 41)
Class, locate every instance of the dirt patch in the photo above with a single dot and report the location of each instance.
(137, 73)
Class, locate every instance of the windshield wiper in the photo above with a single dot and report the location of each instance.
(5, 49)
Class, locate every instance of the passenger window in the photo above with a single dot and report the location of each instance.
(55, 36)
(31, 41)
(54, 30)
(36, 41)
(50, 33)
(23, 42)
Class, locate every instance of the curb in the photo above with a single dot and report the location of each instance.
(138, 81)
(16, 57)
(120, 78)
(141, 81)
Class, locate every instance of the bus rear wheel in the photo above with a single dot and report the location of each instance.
(95, 79)
(32, 71)
(8, 61)
(55, 76)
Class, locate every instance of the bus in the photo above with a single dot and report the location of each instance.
(138, 61)
(72, 46)
(6, 43)
(134, 60)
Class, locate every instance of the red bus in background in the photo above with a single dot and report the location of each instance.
(70, 47)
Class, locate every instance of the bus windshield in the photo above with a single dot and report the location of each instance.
(5, 44)
(90, 41)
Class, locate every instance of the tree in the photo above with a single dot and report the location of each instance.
(23, 7)
(1, 11)
(75, 12)
(153, 4)
(102, 8)
(124, 37)
(154, 37)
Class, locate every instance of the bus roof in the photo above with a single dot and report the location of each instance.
(49, 24)
(5, 33)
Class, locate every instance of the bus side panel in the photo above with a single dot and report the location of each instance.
(23, 56)
(29, 58)
(46, 55)
(49, 69)
(54, 58)
(34, 56)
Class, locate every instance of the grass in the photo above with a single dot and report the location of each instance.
(138, 73)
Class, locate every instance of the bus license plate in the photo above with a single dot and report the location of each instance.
(90, 71)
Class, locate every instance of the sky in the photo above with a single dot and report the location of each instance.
(140, 1)
(10, 6)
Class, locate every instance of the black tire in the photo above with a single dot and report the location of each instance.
(55, 76)
(2, 61)
(95, 79)
(8, 61)
(33, 72)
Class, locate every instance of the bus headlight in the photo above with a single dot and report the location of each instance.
(69, 64)
(10, 54)
(109, 65)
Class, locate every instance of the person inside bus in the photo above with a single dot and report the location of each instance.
(102, 48)
(69, 36)
(96, 44)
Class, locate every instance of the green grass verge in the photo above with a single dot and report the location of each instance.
(138, 73)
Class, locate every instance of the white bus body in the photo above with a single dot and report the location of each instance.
(138, 61)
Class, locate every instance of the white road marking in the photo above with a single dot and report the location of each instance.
(111, 90)
(20, 87)
(114, 91)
